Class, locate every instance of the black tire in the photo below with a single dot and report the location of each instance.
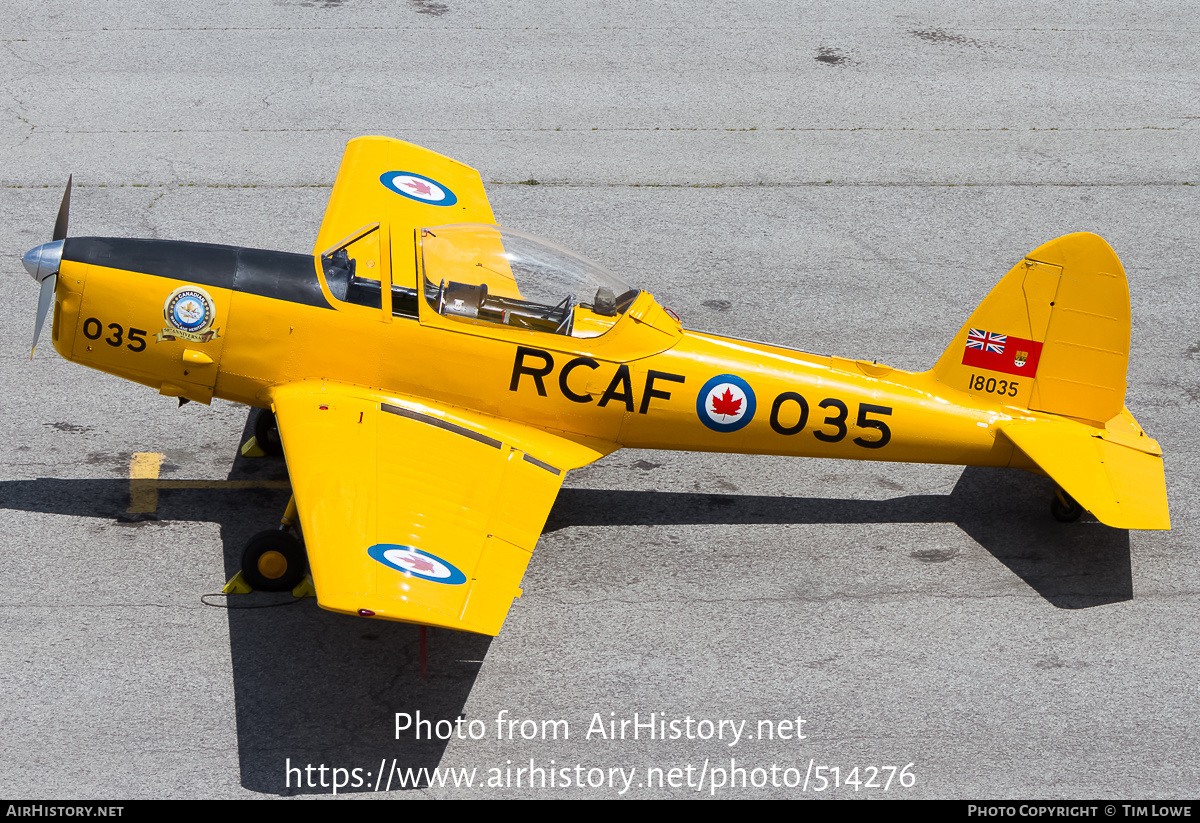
(273, 561)
(1065, 512)
(266, 433)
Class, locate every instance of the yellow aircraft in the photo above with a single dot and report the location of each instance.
(433, 377)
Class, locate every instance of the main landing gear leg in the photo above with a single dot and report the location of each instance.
(1064, 507)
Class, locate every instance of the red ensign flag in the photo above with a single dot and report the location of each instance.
(1001, 352)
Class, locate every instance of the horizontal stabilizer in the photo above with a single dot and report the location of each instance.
(1123, 487)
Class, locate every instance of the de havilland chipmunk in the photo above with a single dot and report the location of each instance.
(433, 377)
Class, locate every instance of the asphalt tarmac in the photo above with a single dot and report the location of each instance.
(840, 180)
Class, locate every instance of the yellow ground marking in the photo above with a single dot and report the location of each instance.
(143, 475)
(144, 483)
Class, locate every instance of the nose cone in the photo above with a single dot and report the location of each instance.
(43, 261)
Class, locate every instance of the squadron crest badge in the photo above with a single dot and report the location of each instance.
(189, 312)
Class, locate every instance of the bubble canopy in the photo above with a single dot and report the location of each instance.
(480, 272)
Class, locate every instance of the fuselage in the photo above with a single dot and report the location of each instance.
(434, 376)
(199, 321)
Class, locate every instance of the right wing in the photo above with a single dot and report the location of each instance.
(415, 511)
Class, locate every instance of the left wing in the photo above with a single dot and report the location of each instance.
(415, 511)
(406, 186)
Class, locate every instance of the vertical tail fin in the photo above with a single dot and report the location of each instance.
(1052, 336)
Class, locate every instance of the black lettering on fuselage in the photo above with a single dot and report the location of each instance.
(519, 368)
(838, 420)
(621, 378)
(653, 392)
(799, 400)
(620, 388)
(566, 371)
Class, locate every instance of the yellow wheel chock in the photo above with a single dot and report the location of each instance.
(237, 585)
(251, 448)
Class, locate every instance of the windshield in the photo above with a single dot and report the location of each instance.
(480, 272)
(352, 270)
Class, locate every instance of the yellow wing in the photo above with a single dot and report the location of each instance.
(418, 512)
(388, 181)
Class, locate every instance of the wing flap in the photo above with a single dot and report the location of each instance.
(415, 512)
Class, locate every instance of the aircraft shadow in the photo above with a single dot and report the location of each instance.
(310, 687)
(315, 688)
(1006, 511)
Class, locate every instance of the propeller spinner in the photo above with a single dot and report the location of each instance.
(43, 264)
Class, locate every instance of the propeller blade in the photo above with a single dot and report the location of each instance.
(45, 298)
(60, 225)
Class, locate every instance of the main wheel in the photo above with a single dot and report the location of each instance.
(273, 562)
(1065, 508)
(266, 433)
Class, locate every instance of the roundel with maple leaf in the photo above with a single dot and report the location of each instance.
(726, 403)
(417, 563)
(418, 187)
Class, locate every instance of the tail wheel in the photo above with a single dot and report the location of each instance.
(273, 561)
(266, 433)
(1065, 508)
